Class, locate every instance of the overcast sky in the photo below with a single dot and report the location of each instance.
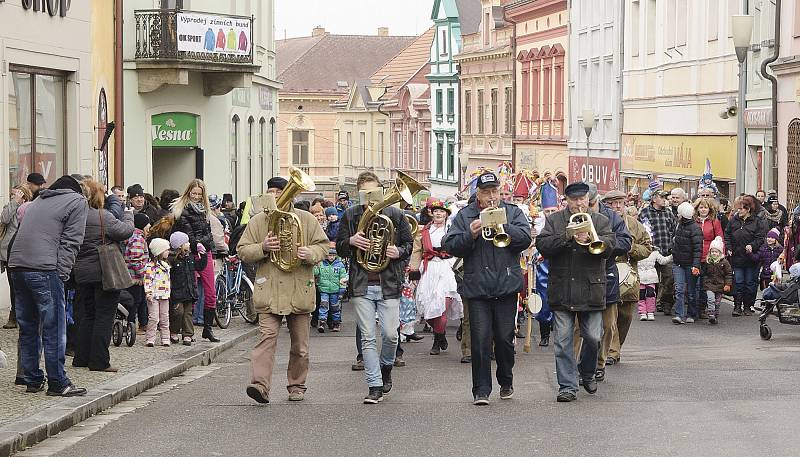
(355, 17)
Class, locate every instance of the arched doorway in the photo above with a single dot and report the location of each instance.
(793, 164)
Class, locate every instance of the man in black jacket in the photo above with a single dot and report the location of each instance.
(375, 291)
(577, 289)
(492, 280)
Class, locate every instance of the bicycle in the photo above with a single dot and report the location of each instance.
(234, 292)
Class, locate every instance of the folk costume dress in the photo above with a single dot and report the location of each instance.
(437, 296)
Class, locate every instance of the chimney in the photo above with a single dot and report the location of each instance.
(318, 31)
(383, 31)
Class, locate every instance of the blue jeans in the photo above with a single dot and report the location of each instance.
(685, 292)
(746, 280)
(567, 369)
(329, 302)
(40, 304)
(389, 318)
(197, 311)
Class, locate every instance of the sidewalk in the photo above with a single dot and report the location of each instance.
(26, 419)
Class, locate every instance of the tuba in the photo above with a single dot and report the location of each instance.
(378, 228)
(492, 221)
(580, 223)
(285, 224)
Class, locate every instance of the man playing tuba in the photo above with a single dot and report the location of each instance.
(377, 290)
(278, 293)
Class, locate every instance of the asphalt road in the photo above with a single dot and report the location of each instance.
(680, 391)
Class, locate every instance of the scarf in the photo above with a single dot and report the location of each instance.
(774, 217)
(198, 207)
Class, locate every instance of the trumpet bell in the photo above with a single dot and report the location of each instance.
(597, 247)
(501, 240)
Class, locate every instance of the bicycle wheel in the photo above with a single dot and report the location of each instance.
(223, 314)
(244, 299)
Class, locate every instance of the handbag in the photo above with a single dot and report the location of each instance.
(115, 274)
(628, 282)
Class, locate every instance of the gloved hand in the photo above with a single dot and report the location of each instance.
(201, 249)
(695, 271)
(727, 288)
(414, 275)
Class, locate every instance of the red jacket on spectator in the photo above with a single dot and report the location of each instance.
(711, 228)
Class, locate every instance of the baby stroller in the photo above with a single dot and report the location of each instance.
(782, 300)
(122, 328)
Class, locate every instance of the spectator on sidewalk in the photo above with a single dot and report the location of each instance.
(136, 257)
(9, 223)
(99, 305)
(35, 183)
(40, 260)
(745, 234)
(140, 204)
(661, 223)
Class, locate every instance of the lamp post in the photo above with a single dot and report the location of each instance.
(742, 25)
(463, 160)
(588, 126)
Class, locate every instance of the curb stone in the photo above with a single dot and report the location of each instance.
(43, 424)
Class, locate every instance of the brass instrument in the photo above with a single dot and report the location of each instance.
(412, 221)
(378, 228)
(285, 224)
(582, 223)
(492, 221)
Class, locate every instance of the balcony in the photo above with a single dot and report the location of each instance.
(170, 44)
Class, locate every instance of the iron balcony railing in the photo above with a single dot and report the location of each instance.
(157, 39)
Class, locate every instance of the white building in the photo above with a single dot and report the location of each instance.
(595, 64)
(211, 78)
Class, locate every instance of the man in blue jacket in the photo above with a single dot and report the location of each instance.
(492, 280)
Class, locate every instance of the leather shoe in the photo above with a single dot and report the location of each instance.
(466, 359)
(545, 341)
(566, 397)
(590, 385)
(611, 361)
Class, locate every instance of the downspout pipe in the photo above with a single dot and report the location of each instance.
(119, 106)
(772, 79)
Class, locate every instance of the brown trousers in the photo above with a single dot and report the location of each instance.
(466, 350)
(625, 312)
(263, 355)
(180, 319)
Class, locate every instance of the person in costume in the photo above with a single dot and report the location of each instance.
(545, 316)
(437, 296)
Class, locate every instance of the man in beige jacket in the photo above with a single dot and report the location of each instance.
(277, 294)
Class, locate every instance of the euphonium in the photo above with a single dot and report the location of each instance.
(378, 228)
(412, 221)
(285, 224)
(580, 223)
(492, 221)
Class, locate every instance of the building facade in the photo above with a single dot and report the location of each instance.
(200, 100)
(452, 19)
(486, 76)
(787, 70)
(680, 75)
(47, 91)
(594, 66)
(541, 37)
(758, 116)
(319, 74)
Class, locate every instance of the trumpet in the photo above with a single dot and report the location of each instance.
(582, 223)
(492, 221)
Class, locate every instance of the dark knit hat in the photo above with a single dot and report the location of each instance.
(331, 211)
(36, 178)
(277, 183)
(67, 182)
(140, 221)
(135, 190)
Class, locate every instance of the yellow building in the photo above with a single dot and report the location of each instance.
(318, 72)
(103, 89)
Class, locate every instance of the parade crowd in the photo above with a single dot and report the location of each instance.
(78, 256)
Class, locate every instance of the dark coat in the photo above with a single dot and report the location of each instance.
(622, 246)
(687, 246)
(717, 275)
(765, 256)
(739, 234)
(332, 230)
(87, 264)
(577, 280)
(153, 213)
(489, 271)
(196, 225)
(183, 282)
(392, 277)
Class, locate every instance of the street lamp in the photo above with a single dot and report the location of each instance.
(742, 25)
(588, 126)
(463, 160)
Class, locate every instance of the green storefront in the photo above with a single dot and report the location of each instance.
(177, 156)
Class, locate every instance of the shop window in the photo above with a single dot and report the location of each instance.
(300, 147)
(37, 121)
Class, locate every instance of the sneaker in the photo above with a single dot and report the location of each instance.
(35, 389)
(297, 395)
(481, 400)
(506, 393)
(337, 327)
(643, 317)
(651, 316)
(321, 328)
(174, 338)
(466, 359)
(690, 320)
(150, 344)
(712, 319)
(359, 365)
(374, 396)
(187, 341)
(70, 391)
(165, 343)
(599, 375)
(590, 385)
(566, 397)
(256, 394)
(677, 320)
